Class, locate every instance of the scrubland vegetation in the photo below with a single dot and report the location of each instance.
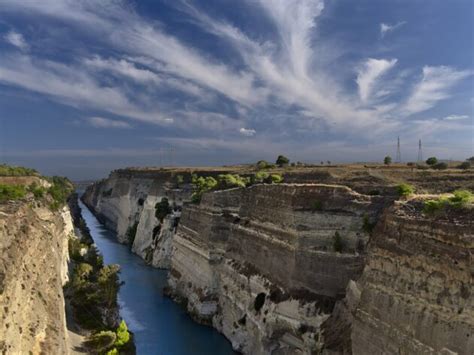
(7, 170)
(459, 199)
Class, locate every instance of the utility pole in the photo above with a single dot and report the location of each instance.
(420, 153)
(399, 154)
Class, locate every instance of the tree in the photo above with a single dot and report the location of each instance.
(282, 161)
(162, 209)
(123, 336)
(101, 341)
(431, 161)
(329, 162)
(471, 159)
(387, 160)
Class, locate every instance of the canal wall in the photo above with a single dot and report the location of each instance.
(304, 267)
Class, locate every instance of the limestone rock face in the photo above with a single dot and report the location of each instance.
(297, 268)
(33, 269)
(417, 290)
(127, 199)
(259, 263)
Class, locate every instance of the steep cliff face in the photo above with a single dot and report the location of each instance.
(260, 264)
(297, 268)
(417, 295)
(126, 203)
(33, 269)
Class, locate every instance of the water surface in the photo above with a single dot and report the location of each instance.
(161, 326)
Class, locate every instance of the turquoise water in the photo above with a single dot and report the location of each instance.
(161, 327)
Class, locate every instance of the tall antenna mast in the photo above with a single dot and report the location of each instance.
(399, 154)
(420, 152)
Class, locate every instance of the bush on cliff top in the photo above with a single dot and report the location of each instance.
(11, 192)
(60, 190)
(6, 170)
(459, 199)
(405, 190)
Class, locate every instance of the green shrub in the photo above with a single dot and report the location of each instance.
(460, 198)
(11, 192)
(101, 342)
(431, 161)
(201, 185)
(387, 160)
(162, 209)
(6, 170)
(123, 336)
(60, 190)
(227, 181)
(261, 177)
(440, 166)
(113, 351)
(37, 191)
(263, 164)
(276, 179)
(405, 190)
(338, 243)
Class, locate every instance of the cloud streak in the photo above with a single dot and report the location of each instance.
(16, 39)
(386, 28)
(101, 122)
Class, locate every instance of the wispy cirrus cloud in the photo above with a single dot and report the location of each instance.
(102, 122)
(153, 75)
(386, 28)
(369, 73)
(434, 86)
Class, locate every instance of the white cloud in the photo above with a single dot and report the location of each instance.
(434, 86)
(282, 72)
(16, 39)
(101, 122)
(456, 117)
(386, 28)
(371, 71)
(74, 86)
(248, 132)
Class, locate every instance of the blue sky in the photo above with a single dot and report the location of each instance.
(89, 86)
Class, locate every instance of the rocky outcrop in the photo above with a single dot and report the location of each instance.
(260, 264)
(417, 295)
(298, 268)
(126, 203)
(33, 270)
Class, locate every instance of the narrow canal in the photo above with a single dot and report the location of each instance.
(161, 326)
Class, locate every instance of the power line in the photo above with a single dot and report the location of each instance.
(399, 154)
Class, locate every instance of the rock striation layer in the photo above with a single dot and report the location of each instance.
(33, 270)
(298, 268)
(417, 290)
(259, 263)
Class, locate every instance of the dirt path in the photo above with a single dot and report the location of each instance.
(75, 338)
